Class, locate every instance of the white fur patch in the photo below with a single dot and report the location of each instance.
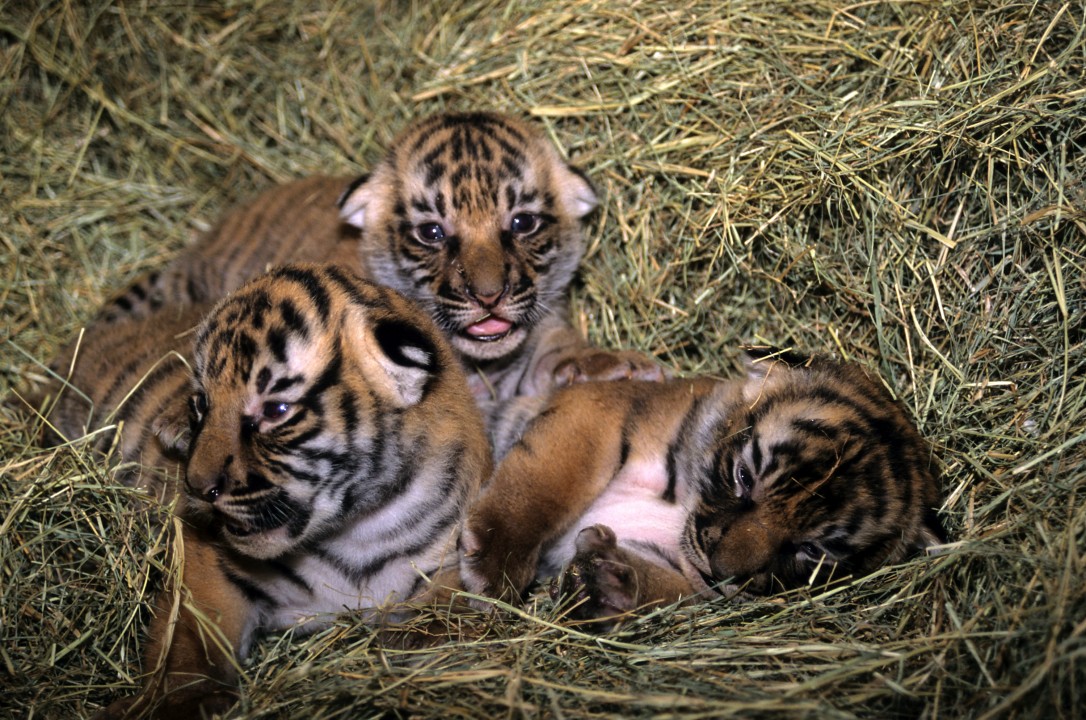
(632, 506)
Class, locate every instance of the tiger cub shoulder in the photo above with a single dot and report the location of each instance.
(474, 215)
(804, 471)
(332, 450)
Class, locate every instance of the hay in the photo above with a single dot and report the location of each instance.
(900, 183)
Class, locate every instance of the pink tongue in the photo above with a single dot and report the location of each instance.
(490, 326)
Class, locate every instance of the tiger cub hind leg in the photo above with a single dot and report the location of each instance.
(199, 621)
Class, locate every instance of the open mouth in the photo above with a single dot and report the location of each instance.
(489, 329)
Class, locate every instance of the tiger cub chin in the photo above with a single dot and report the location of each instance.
(647, 493)
(333, 449)
(474, 215)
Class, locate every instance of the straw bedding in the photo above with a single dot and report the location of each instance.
(898, 183)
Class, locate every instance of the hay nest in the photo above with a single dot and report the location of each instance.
(899, 183)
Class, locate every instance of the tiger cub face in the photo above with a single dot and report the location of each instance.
(816, 473)
(478, 217)
(310, 407)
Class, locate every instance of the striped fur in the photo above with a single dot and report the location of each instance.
(133, 376)
(474, 215)
(655, 492)
(333, 448)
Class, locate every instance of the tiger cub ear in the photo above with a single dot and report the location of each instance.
(577, 193)
(354, 201)
(931, 534)
(758, 359)
(399, 359)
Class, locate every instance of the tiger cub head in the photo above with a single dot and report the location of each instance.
(479, 218)
(816, 473)
(316, 396)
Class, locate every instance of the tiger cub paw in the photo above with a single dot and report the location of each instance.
(173, 430)
(183, 704)
(594, 365)
(479, 573)
(600, 579)
(489, 567)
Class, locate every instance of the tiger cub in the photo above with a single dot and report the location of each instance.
(474, 215)
(650, 493)
(333, 449)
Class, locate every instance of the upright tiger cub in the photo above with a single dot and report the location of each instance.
(474, 215)
(649, 493)
(333, 449)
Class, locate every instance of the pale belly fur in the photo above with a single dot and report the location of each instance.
(632, 505)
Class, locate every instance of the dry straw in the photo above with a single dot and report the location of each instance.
(899, 183)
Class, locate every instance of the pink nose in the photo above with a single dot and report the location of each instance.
(488, 300)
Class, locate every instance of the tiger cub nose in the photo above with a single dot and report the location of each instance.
(487, 299)
(209, 490)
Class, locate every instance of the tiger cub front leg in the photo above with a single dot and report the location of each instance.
(547, 480)
(194, 637)
(563, 357)
(591, 364)
(606, 582)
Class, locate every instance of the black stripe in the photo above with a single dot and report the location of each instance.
(349, 190)
(313, 285)
(192, 289)
(285, 382)
(328, 377)
(288, 574)
(672, 477)
(263, 377)
(252, 591)
(293, 318)
(358, 293)
(276, 340)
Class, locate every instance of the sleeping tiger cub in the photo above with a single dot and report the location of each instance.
(333, 448)
(473, 215)
(648, 493)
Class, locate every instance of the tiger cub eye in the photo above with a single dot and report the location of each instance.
(525, 223)
(430, 233)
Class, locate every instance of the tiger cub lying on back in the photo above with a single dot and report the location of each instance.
(473, 215)
(649, 493)
(334, 447)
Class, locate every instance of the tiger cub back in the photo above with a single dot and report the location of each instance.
(332, 451)
(474, 215)
(295, 222)
(645, 493)
(132, 377)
